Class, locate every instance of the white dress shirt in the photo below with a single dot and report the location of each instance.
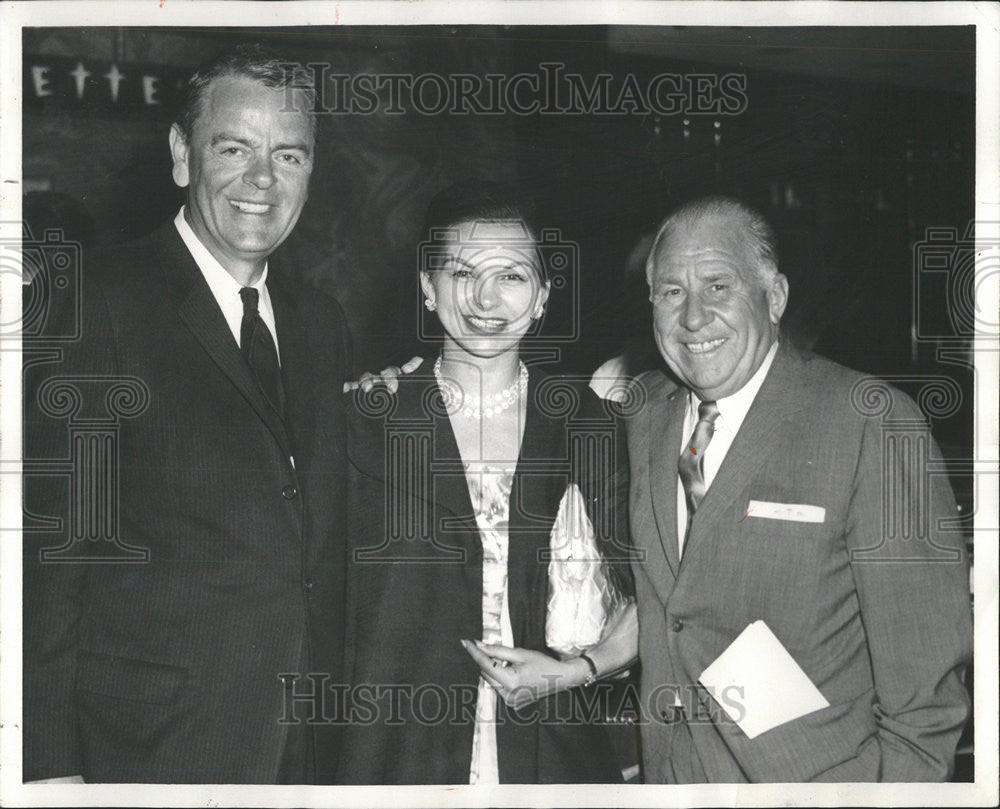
(732, 411)
(225, 288)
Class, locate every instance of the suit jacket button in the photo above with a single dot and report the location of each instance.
(308, 584)
(289, 492)
(677, 625)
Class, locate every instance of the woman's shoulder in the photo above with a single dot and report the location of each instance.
(379, 404)
(560, 395)
(369, 414)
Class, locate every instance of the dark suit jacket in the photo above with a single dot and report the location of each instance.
(167, 670)
(882, 628)
(415, 585)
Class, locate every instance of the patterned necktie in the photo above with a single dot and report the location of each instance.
(258, 347)
(690, 466)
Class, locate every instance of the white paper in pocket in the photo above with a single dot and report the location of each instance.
(795, 512)
(762, 683)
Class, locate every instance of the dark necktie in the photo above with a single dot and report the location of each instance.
(690, 466)
(260, 352)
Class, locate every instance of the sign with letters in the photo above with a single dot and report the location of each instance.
(119, 88)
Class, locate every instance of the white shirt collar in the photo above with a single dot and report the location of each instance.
(217, 276)
(224, 288)
(734, 408)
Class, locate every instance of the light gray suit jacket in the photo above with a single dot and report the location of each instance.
(881, 625)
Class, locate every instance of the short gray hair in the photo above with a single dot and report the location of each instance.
(757, 231)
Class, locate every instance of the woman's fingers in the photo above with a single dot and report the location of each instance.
(504, 653)
(477, 654)
(495, 671)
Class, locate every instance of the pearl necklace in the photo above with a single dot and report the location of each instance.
(457, 400)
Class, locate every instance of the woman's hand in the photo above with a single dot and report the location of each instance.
(522, 676)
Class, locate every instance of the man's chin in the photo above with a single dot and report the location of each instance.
(704, 385)
(257, 246)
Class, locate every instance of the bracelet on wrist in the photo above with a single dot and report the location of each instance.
(592, 676)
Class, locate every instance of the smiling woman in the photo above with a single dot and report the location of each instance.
(489, 288)
(475, 565)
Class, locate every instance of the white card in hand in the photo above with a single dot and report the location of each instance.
(762, 685)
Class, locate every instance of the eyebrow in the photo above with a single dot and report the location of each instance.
(509, 266)
(719, 275)
(223, 136)
(298, 145)
(707, 278)
(280, 147)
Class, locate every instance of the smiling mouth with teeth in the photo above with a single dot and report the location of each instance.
(486, 324)
(703, 348)
(249, 207)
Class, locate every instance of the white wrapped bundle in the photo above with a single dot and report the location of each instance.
(582, 596)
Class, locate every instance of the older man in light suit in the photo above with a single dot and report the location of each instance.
(757, 495)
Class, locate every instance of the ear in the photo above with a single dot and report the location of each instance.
(426, 284)
(179, 152)
(777, 298)
(543, 293)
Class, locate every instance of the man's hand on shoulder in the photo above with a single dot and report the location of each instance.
(387, 376)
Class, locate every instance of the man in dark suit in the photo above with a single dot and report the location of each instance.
(763, 491)
(196, 556)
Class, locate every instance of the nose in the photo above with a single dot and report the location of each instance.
(486, 294)
(695, 314)
(259, 173)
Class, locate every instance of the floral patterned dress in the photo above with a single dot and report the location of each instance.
(489, 490)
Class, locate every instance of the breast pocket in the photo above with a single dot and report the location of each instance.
(786, 546)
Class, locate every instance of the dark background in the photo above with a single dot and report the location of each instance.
(855, 142)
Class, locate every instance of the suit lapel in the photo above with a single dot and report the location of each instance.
(666, 422)
(541, 476)
(755, 441)
(297, 371)
(200, 312)
(417, 408)
(453, 510)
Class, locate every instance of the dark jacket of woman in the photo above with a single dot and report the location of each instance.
(415, 586)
